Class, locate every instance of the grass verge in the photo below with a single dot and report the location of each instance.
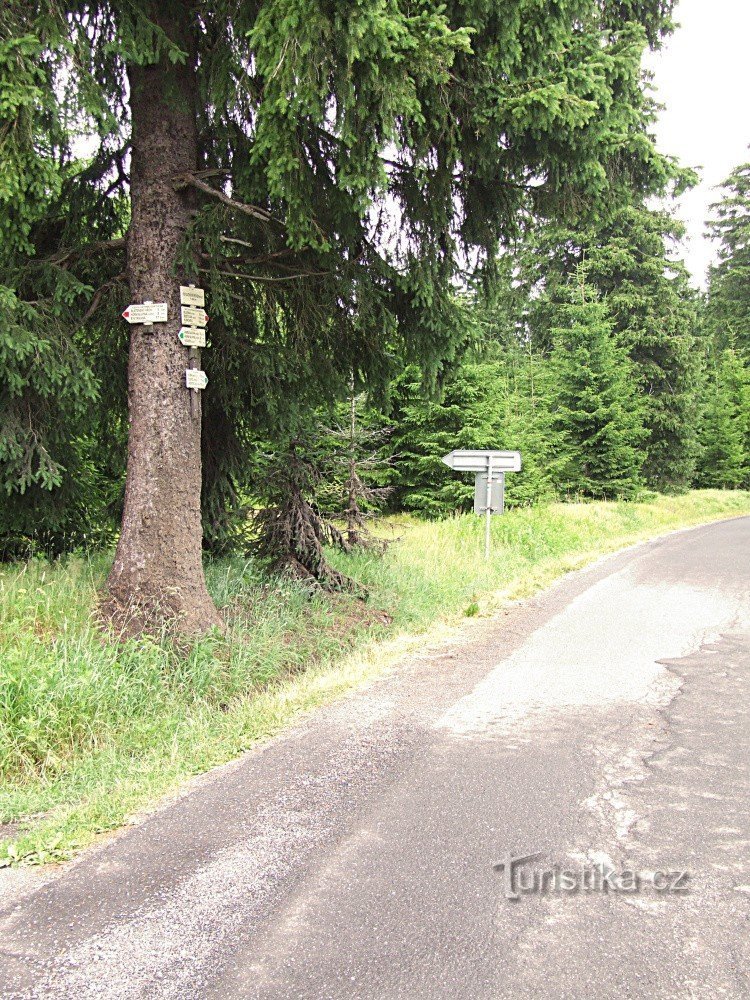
(92, 732)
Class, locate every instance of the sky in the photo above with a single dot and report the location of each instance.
(702, 75)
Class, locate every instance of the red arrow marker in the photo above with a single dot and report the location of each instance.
(126, 314)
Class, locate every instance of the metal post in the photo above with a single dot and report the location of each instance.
(488, 511)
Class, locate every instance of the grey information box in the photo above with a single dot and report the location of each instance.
(497, 493)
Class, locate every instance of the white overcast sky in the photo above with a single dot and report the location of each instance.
(702, 75)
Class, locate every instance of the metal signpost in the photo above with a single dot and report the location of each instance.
(497, 492)
(489, 481)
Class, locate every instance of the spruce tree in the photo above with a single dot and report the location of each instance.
(595, 410)
(525, 425)
(463, 414)
(728, 312)
(725, 427)
(725, 433)
(654, 313)
(494, 399)
(359, 459)
(292, 530)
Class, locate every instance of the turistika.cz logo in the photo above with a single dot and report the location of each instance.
(520, 878)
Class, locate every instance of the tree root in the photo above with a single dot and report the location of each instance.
(159, 614)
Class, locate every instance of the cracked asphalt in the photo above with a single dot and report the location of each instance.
(604, 724)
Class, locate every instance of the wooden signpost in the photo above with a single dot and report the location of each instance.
(193, 335)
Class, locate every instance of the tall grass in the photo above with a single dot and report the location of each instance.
(91, 730)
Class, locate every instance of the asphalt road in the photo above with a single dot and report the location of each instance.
(603, 727)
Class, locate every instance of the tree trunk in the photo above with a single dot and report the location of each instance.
(158, 573)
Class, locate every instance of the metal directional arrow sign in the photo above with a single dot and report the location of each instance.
(193, 336)
(192, 296)
(195, 378)
(146, 312)
(193, 316)
(480, 461)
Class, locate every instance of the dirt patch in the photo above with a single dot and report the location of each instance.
(354, 614)
(10, 831)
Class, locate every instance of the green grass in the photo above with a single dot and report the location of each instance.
(91, 732)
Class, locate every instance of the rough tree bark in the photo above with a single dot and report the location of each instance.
(158, 572)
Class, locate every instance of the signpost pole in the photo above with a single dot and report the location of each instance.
(193, 333)
(194, 362)
(483, 463)
(488, 511)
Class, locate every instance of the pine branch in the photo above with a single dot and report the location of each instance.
(63, 256)
(271, 259)
(254, 211)
(98, 295)
(264, 277)
(285, 252)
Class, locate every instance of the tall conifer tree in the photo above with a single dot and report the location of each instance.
(593, 398)
(725, 426)
(654, 313)
(728, 311)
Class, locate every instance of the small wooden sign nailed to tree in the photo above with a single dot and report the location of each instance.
(192, 296)
(146, 312)
(192, 336)
(193, 316)
(195, 378)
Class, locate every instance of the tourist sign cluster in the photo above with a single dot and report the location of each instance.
(489, 468)
(192, 332)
